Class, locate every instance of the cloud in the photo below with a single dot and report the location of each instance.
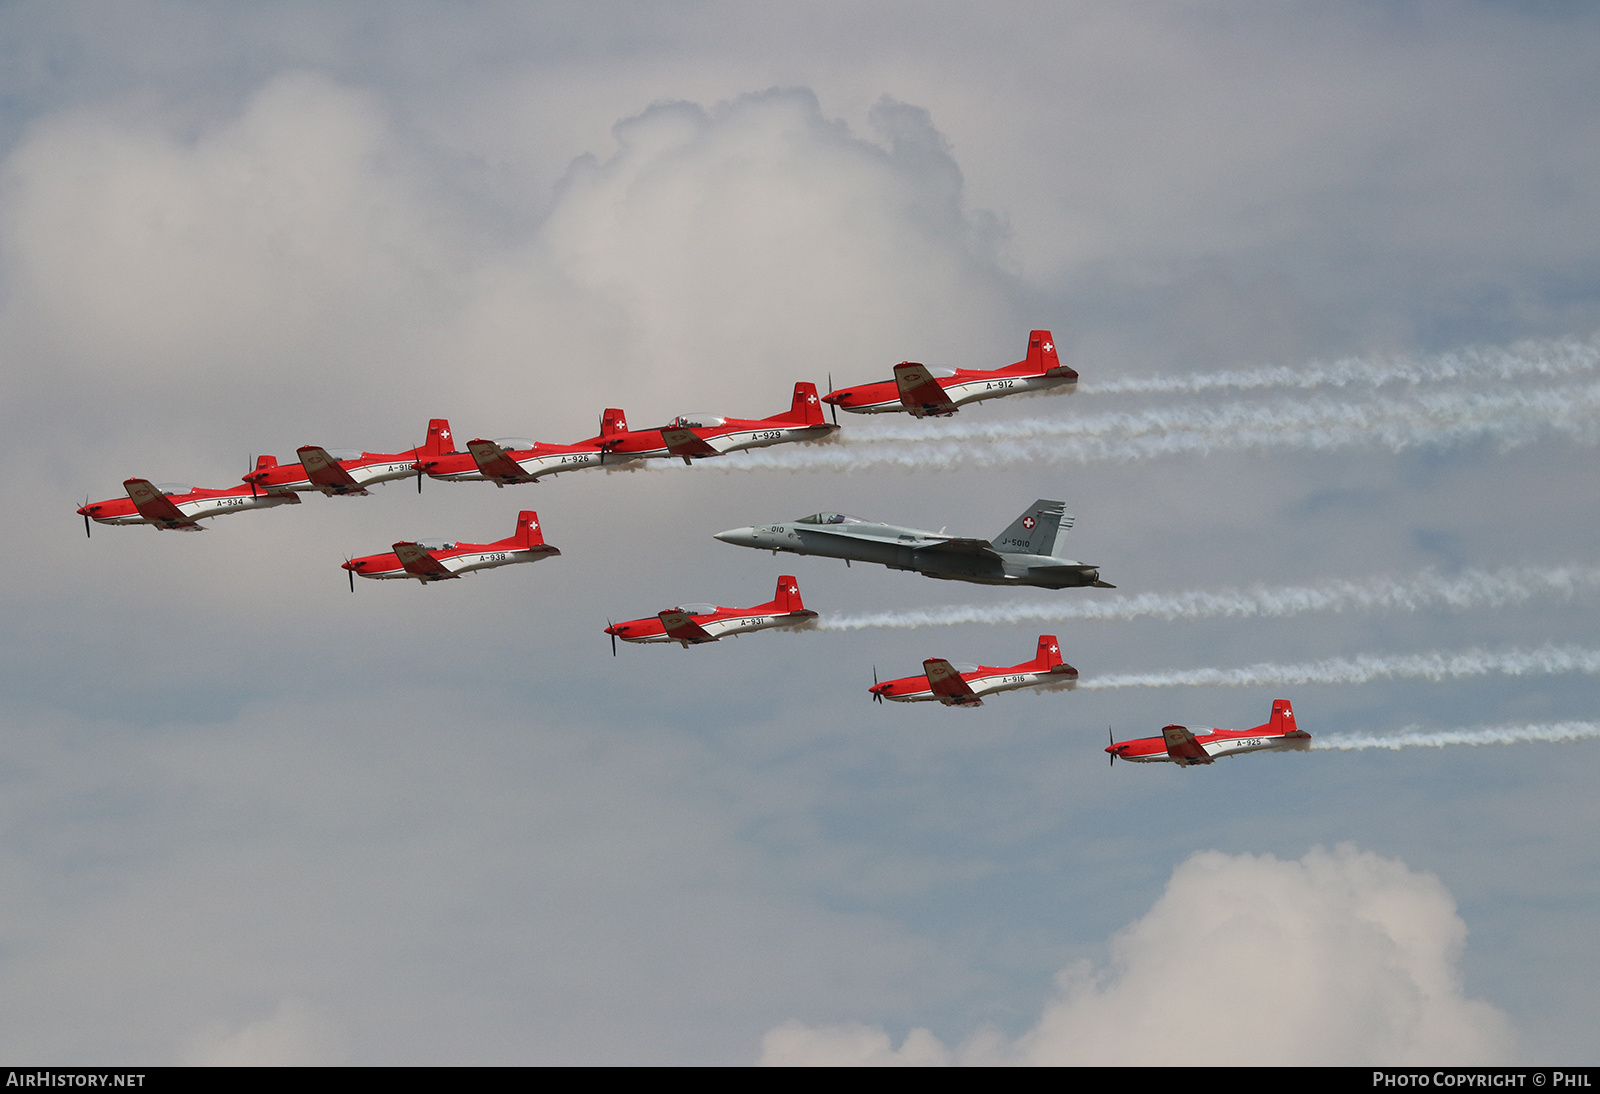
(291, 1037)
(1340, 958)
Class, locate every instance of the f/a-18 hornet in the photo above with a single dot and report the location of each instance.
(441, 560)
(177, 506)
(965, 685)
(931, 392)
(1177, 745)
(691, 624)
(1026, 553)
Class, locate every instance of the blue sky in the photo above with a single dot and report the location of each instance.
(251, 817)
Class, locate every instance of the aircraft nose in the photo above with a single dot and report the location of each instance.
(743, 537)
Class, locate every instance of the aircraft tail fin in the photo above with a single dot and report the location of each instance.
(613, 423)
(806, 407)
(439, 442)
(528, 533)
(1042, 357)
(1038, 531)
(1049, 652)
(1282, 717)
(266, 463)
(787, 598)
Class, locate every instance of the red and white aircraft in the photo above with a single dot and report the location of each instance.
(965, 685)
(926, 392)
(440, 561)
(688, 436)
(1177, 745)
(177, 505)
(692, 624)
(348, 470)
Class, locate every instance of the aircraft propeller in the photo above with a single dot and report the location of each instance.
(877, 696)
(419, 478)
(86, 531)
(613, 634)
(352, 574)
(833, 406)
(250, 470)
(1110, 740)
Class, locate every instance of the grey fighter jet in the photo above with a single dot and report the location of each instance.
(1027, 553)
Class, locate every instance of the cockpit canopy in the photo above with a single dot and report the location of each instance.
(697, 609)
(830, 518)
(435, 544)
(520, 444)
(344, 453)
(174, 488)
(962, 666)
(696, 421)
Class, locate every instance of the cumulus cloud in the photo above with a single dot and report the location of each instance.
(1340, 958)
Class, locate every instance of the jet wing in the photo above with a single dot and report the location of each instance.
(947, 684)
(686, 443)
(323, 470)
(920, 393)
(155, 506)
(419, 562)
(680, 628)
(979, 547)
(494, 461)
(1182, 746)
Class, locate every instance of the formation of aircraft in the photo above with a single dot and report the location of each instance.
(1178, 745)
(965, 685)
(442, 560)
(336, 472)
(692, 624)
(177, 506)
(1026, 553)
(925, 392)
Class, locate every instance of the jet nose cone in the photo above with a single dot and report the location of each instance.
(743, 537)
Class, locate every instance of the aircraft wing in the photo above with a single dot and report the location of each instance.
(494, 461)
(920, 393)
(680, 628)
(155, 506)
(323, 470)
(1182, 746)
(686, 443)
(947, 684)
(980, 547)
(418, 561)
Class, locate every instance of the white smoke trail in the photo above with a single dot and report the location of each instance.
(1468, 589)
(1510, 419)
(1525, 359)
(1417, 737)
(1548, 660)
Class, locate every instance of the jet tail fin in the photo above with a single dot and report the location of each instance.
(1038, 531)
(266, 463)
(613, 423)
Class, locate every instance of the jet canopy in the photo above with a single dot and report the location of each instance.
(830, 518)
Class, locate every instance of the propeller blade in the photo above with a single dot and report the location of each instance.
(1110, 740)
(352, 574)
(419, 478)
(88, 534)
(832, 407)
(877, 696)
(250, 468)
(613, 634)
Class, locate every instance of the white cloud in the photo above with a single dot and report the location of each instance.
(291, 1036)
(1340, 958)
